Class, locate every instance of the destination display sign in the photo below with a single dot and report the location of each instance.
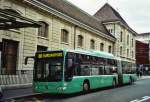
(50, 55)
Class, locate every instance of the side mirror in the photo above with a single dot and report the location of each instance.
(26, 59)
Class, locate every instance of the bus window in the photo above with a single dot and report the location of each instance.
(85, 70)
(113, 69)
(57, 71)
(73, 63)
(107, 70)
(48, 70)
(39, 71)
(70, 63)
(94, 71)
(69, 69)
(101, 70)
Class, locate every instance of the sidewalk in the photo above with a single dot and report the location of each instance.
(144, 77)
(17, 91)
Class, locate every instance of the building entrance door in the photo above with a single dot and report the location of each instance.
(9, 56)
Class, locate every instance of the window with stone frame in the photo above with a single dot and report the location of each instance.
(92, 44)
(121, 36)
(110, 31)
(127, 39)
(101, 46)
(127, 52)
(121, 51)
(132, 54)
(0, 55)
(109, 49)
(41, 48)
(43, 30)
(64, 36)
(132, 42)
(80, 41)
(0, 46)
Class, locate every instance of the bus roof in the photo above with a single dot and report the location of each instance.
(90, 52)
(94, 53)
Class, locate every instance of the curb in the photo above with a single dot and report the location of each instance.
(17, 86)
(22, 96)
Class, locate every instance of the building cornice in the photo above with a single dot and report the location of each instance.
(67, 18)
(129, 29)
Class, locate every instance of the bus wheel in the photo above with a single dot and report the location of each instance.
(86, 87)
(114, 83)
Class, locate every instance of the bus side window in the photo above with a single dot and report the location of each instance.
(70, 63)
(85, 70)
(69, 67)
(101, 70)
(107, 70)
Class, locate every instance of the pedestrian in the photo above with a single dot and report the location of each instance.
(1, 94)
(138, 72)
(141, 73)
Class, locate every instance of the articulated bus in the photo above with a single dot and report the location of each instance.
(71, 71)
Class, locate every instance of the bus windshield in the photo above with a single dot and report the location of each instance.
(49, 70)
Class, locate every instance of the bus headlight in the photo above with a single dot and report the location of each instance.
(65, 84)
(36, 87)
(61, 88)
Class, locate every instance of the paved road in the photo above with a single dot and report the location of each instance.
(138, 92)
(10, 93)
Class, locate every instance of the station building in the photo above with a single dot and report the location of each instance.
(143, 52)
(63, 26)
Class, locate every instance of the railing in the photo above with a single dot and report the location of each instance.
(20, 77)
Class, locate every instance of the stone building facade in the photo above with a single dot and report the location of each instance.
(143, 52)
(142, 55)
(64, 26)
(125, 37)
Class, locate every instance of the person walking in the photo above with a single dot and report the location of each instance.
(1, 94)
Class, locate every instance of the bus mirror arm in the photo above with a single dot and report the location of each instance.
(26, 59)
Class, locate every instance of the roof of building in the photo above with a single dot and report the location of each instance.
(71, 10)
(109, 14)
(140, 34)
(11, 20)
(142, 41)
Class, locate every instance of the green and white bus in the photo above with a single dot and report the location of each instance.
(71, 71)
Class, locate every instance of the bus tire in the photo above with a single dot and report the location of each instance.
(86, 86)
(114, 83)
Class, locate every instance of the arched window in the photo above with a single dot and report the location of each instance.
(127, 39)
(109, 49)
(43, 30)
(92, 44)
(121, 50)
(132, 42)
(132, 54)
(121, 36)
(101, 46)
(127, 52)
(64, 36)
(80, 40)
